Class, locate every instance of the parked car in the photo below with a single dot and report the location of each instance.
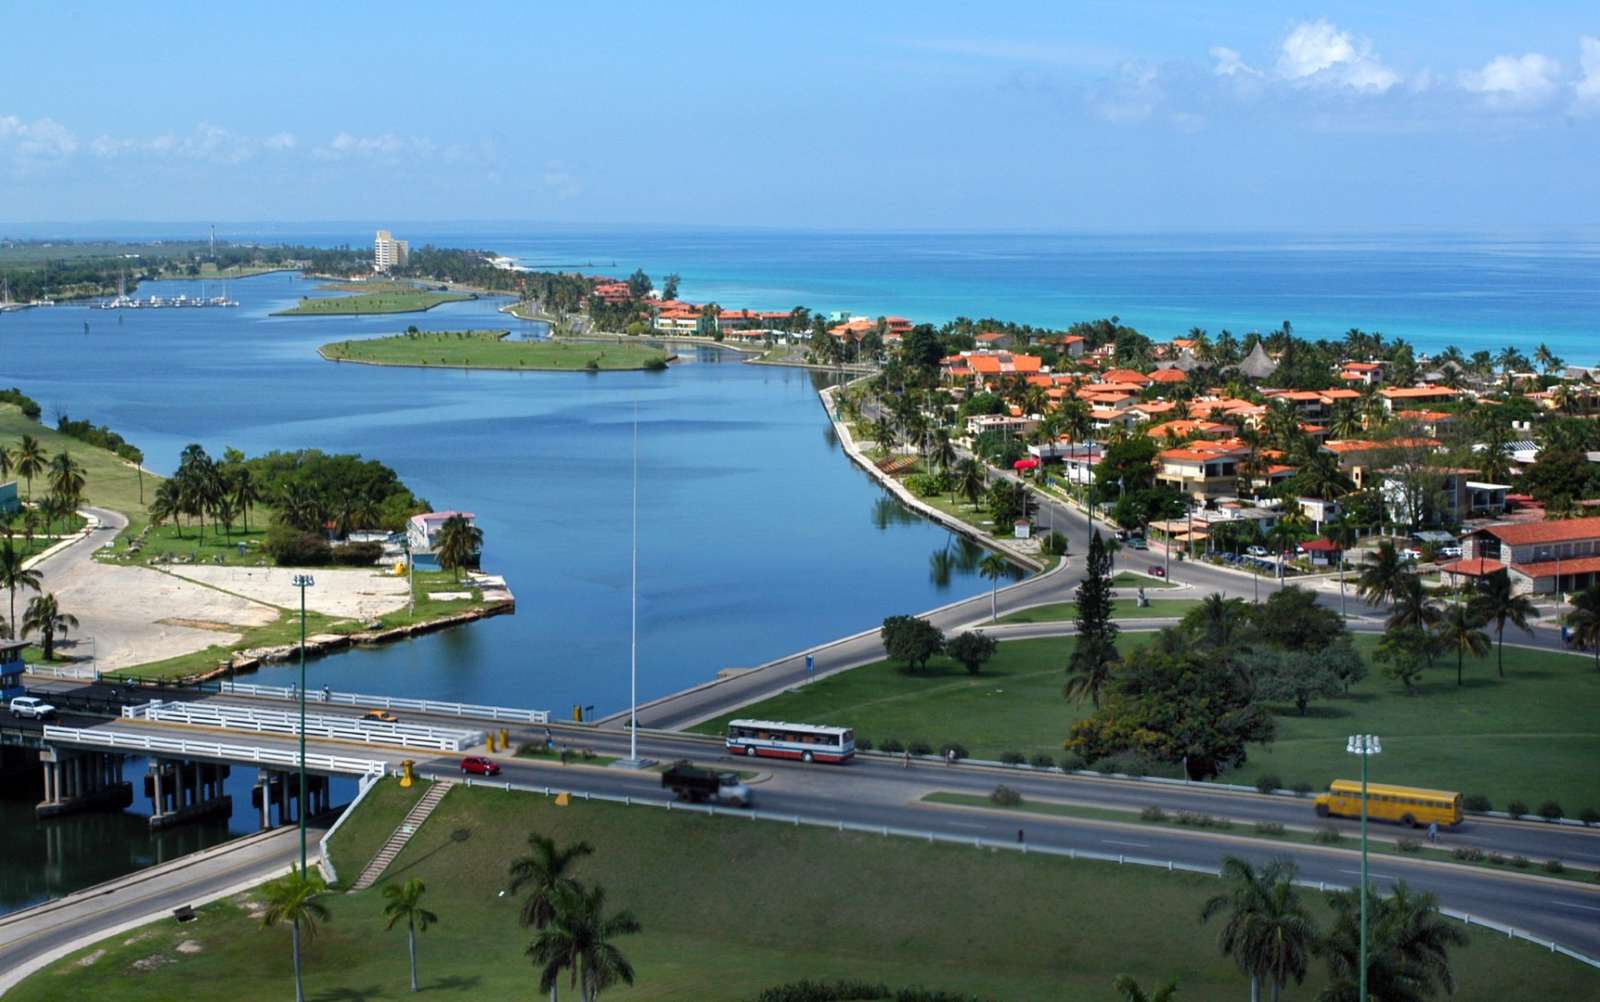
(33, 707)
(1410, 553)
(1450, 552)
(477, 765)
(381, 716)
(1258, 551)
(1137, 543)
(1157, 571)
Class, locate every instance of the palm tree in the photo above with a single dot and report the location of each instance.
(1497, 603)
(1381, 574)
(883, 433)
(66, 476)
(1269, 933)
(1411, 606)
(1346, 420)
(1547, 359)
(13, 576)
(1460, 629)
(293, 898)
(544, 871)
(166, 506)
(579, 939)
(7, 463)
(943, 454)
(1090, 670)
(1285, 534)
(1341, 533)
(1321, 476)
(405, 903)
(994, 567)
(1408, 955)
(970, 480)
(459, 544)
(246, 494)
(1221, 620)
(1130, 991)
(29, 460)
(46, 619)
(1583, 620)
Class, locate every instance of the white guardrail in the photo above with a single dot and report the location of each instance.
(365, 786)
(73, 672)
(510, 714)
(123, 741)
(248, 718)
(979, 842)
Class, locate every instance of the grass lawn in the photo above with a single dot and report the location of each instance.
(729, 907)
(1122, 608)
(1532, 736)
(209, 272)
(1128, 579)
(394, 300)
(108, 481)
(363, 833)
(491, 350)
(183, 543)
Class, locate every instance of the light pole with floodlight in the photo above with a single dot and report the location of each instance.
(1365, 745)
(303, 581)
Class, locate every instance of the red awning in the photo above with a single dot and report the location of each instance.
(1025, 464)
(1319, 546)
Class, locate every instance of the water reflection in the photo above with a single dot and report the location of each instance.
(830, 436)
(887, 511)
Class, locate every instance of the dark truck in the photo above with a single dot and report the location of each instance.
(694, 784)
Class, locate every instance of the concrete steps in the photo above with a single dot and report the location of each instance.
(408, 827)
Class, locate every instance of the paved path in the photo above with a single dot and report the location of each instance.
(36, 936)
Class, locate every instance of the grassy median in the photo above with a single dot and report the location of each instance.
(731, 906)
(389, 300)
(492, 350)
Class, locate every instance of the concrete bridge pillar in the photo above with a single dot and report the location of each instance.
(80, 781)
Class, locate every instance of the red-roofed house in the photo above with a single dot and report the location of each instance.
(1540, 557)
(1203, 470)
(1400, 397)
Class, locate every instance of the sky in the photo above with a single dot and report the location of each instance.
(1081, 116)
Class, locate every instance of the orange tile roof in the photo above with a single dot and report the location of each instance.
(1344, 445)
(1472, 566)
(1168, 376)
(1125, 376)
(1534, 533)
(1339, 393)
(1550, 568)
(1414, 392)
(1363, 366)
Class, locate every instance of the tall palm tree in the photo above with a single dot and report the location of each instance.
(1461, 630)
(294, 898)
(970, 480)
(7, 463)
(580, 939)
(29, 460)
(1411, 607)
(1268, 932)
(1220, 620)
(245, 492)
(1341, 532)
(1130, 991)
(1583, 620)
(883, 433)
(459, 544)
(1497, 603)
(13, 576)
(1346, 420)
(66, 476)
(1408, 947)
(943, 454)
(1381, 574)
(544, 871)
(1090, 670)
(45, 618)
(405, 904)
(166, 506)
(994, 567)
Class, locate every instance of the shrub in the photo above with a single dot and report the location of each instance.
(1043, 761)
(1268, 783)
(290, 547)
(1477, 802)
(919, 994)
(1195, 819)
(892, 745)
(953, 746)
(1551, 811)
(1302, 789)
(1554, 866)
(357, 554)
(1053, 545)
(1516, 808)
(25, 403)
(1467, 854)
(864, 744)
(1520, 862)
(1072, 761)
(820, 991)
(1408, 845)
(920, 748)
(655, 364)
(1013, 758)
(1152, 813)
(1496, 859)
(1328, 835)
(1005, 796)
(1128, 763)
(1589, 816)
(1272, 828)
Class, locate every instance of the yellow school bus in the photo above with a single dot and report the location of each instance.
(1405, 804)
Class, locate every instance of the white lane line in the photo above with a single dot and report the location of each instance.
(1587, 908)
(1371, 875)
(969, 824)
(1112, 841)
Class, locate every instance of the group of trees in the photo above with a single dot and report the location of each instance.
(66, 481)
(913, 640)
(574, 932)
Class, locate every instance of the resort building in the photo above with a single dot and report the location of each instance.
(422, 534)
(387, 252)
(1540, 557)
(1078, 459)
(10, 503)
(1203, 470)
(1440, 495)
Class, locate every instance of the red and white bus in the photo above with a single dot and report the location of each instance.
(775, 739)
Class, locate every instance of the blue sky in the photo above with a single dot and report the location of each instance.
(1081, 116)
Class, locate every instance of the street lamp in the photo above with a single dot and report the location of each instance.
(1365, 745)
(303, 581)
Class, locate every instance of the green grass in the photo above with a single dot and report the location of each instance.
(209, 272)
(574, 756)
(491, 350)
(1122, 608)
(729, 907)
(1382, 842)
(109, 482)
(1128, 579)
(363, 833)
(364, 303)
(1529, 737)
(172, 542)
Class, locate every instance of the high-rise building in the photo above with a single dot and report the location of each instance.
(387, 252)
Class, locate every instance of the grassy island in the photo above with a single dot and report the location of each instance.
(386, 298)
(491, 350)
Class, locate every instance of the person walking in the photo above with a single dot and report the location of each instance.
(1433, 833)
(907, 760)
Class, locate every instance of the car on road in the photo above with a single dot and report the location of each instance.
(381, 716)
(1258, 551)
(33, 707)
(1450, 552)
(477, 765)
(1137, 543)
(1157, 571)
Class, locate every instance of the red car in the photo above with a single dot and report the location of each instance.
(480, 766)
(1158, 572)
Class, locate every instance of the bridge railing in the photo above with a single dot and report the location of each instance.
(247, 718)
(508, 714)
(979, 842)
(160, 744)
(74, 673)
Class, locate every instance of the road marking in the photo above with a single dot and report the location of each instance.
(1371, 875)
(1587, 908)
(1112, 841)
(969, 824)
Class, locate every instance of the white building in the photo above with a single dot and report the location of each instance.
(422, 534)
(387, 252)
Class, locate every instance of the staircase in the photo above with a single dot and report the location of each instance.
(402, 835)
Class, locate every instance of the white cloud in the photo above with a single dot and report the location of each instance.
(1318, 52)
(1132, 95)
(1229, 63)
(211, 143)
(281, 141)
(1514, 80)
(388, 144)
(1587, 89)
(42, 137)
